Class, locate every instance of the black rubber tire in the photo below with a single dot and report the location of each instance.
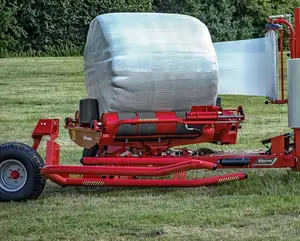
(32, 162)
(91, 152)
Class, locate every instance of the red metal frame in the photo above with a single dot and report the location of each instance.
(147, 157)
(123, 171)
(216, 128)
(292, 43)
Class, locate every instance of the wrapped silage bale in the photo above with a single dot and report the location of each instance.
(137, 62)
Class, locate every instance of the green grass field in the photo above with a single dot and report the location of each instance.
(263, 207)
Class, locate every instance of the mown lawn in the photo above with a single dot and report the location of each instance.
(263, 207)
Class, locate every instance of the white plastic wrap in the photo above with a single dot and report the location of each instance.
(248, 67)
(150, 62)
(293, 74)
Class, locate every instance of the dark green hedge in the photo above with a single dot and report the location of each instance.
(59, 27)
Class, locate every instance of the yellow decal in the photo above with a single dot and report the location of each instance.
(75, 176)
(93, 183)
(228, 179)
(148, 119)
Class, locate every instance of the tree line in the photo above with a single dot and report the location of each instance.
(59, 27)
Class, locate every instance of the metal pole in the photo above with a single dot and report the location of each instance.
(297, 31)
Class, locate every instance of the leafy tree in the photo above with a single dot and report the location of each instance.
(59, 27)
(10, 30)
(219, 15)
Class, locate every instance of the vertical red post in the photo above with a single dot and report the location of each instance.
(297, 148)
(297, 32)
(282, 64)
(297, 55)
(52, 153)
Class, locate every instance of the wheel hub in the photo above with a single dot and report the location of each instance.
(13, 175)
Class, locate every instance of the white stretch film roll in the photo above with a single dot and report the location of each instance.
(248, 67)
(294, 93)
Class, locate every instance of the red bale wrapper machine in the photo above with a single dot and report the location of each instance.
(135, 149)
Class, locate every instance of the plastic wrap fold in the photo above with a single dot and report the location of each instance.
(249, 67)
